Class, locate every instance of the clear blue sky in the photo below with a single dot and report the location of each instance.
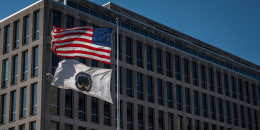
(231, 25)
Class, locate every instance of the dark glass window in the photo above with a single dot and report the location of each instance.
(249, 122)
(187, 100)
(235, 114)
(258, 96)
(196, 103)
(13, 106)
(56, 19)
(177, 68)
(69, 23)
(205, 126)
(107, 116)
(212, 108)
(94, 110)
(35, 61)
(160, 92)
(150, 119)
(247, 97)
(129, 116)
(255, 119)
(15, 70)
(25, 65)
(26, 30)
(233, 85)
(139, 54)
(34, 99)
(188, 123)
(194, 73)
(169, 95)
(168, 64)
(33, 125)
(82, 23)
(23, 102)
(150, 89)
(240, 90)
(220, 110)
(94, 63)
(129, 88)
(186, 71)
(55, 100)
(82, 108)
(140, 117)
(202, 72)
(55, 61)
(120, 83)
(211, 80)
(3, 114)
(81, 128)
(149, 58)
(140, 91)
(197, 125)
(179, 123)
(253, 94)
(213, 127)
(204, 105)
(219, 87)
(121, 115)
(36, 25)
(120, 47)
(170, 121)
(5, 74)
(160, 120)
(226, 87)
(242, 117)
(178, 97)
(228, 118)
(129, 50)
(7, 39)
(16, 35)
(159, 60)
(68, 102)
(22, 127)
(68, 127)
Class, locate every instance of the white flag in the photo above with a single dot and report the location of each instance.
(93, 81)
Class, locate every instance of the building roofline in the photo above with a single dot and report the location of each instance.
(20, 11)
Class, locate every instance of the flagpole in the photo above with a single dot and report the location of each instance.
(118, 82)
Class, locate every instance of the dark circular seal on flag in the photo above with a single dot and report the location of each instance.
(83, 81)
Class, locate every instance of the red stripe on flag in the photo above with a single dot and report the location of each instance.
(83, 52)
(83, 46)
(75, 33)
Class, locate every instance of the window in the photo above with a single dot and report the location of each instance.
(187, 100)
(258, 96)
(129, 88)
(159, 60)
(33, 125)
(178, 97)
(170, 121)
(249, 122)
(150, 89)
(197, 125)
(94, 110)
(160, 120)
(253, 94)
(204, 105)
(36, 25)
(234, 94)
(24, 65)
(219, 88)
(255, 119)
(205, 126)
(194, 73)
(68, 102)
(55, 100)
(139, 54)
(69, 23)
(68, 127)
(26, 30)
(107, 116)
(129, 116)
(242, 117)
(220, 110)
(140, 117)
(6, 39)
(235, 114)
(160, 92)
(13, 106)
(247, 97)
(3, 105)
(34, 99)
(15, 69)
(212, 108)
(82, 23)
(186, 71)
(202, 74)
(23, 102)
(22, 127)
(35, 61)
(129, 50)
(240, 90)
(149, 58)
(55, 61)
(196, 103)
(188, 123)
(121, 115)
(82, 108)
(177, 68)
(140, 90)
(226, 87)
(228, 118)
(211, 80)
(169, 95)
(5, 74)
(54, 125)
(120, 47)
(179, 122)
(213, 127)
(56, 19)
(81, 128)
(168, 64)
(150, 119)
(16, 35)
(94, 63)
(120, 83)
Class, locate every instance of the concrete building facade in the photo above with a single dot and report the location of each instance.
(168, 80)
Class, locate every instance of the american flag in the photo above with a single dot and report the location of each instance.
(86, 42)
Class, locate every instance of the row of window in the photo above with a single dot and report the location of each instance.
(23, 67)
(164, 41)
(25, 33)
(23, 127)
(21, 102)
